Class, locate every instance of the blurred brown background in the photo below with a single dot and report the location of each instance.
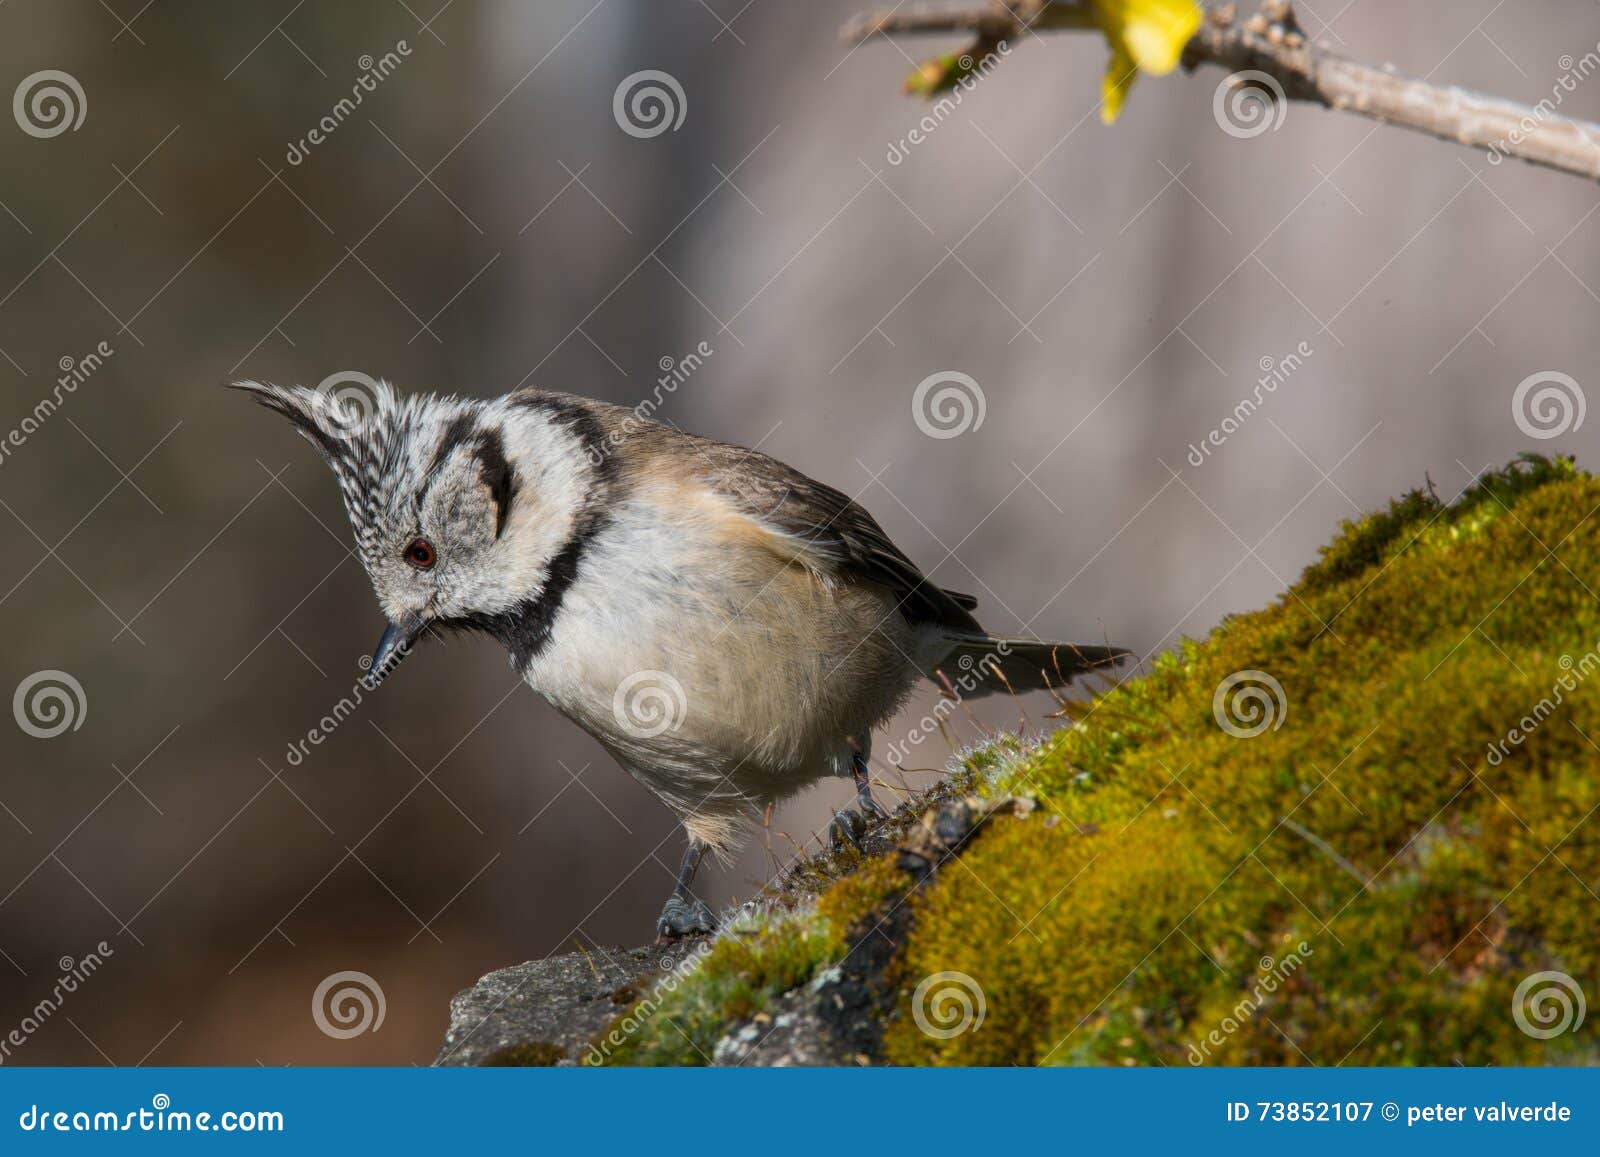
(480, 221)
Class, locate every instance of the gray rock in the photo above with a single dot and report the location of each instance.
(791, 1033)
(546, 1012)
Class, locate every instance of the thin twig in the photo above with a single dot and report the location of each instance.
(1328, 850)
(1284, 62)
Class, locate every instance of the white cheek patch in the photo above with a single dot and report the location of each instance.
(553, 484)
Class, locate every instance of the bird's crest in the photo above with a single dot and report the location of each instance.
(362, 429)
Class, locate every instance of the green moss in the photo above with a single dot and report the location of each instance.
(530, 1054)
(1365, 881)
(749, 965)
(1378, 825)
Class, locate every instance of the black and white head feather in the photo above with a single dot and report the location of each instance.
(505, 491)
(370, 439)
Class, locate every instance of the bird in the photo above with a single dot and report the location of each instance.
(729, 629)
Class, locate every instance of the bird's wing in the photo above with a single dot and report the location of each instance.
(833, 531)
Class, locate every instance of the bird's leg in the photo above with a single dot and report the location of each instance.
(863, 778)
(686, 914)
(851, 823)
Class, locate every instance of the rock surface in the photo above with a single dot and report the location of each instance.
(546, 1012)
(554, 1011)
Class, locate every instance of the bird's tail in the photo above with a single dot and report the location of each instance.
(977, 665)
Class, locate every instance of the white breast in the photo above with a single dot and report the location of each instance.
(715, 671)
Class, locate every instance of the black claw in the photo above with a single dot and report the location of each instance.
(871, 806)
(685, 917)
(863, 778)
(848, 826)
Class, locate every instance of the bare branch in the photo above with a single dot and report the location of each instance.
(1272, 44)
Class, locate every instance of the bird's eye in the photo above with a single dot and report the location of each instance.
(420, 554)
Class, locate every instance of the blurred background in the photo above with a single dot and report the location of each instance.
(485, 219)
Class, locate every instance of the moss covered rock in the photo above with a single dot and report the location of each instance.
(1349, 828)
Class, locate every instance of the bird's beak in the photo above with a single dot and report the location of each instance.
(394, 646)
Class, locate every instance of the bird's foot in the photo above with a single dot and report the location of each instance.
(684, 916)
(850, 825)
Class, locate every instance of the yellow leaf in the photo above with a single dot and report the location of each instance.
(1144, 35)
(1120, 74)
